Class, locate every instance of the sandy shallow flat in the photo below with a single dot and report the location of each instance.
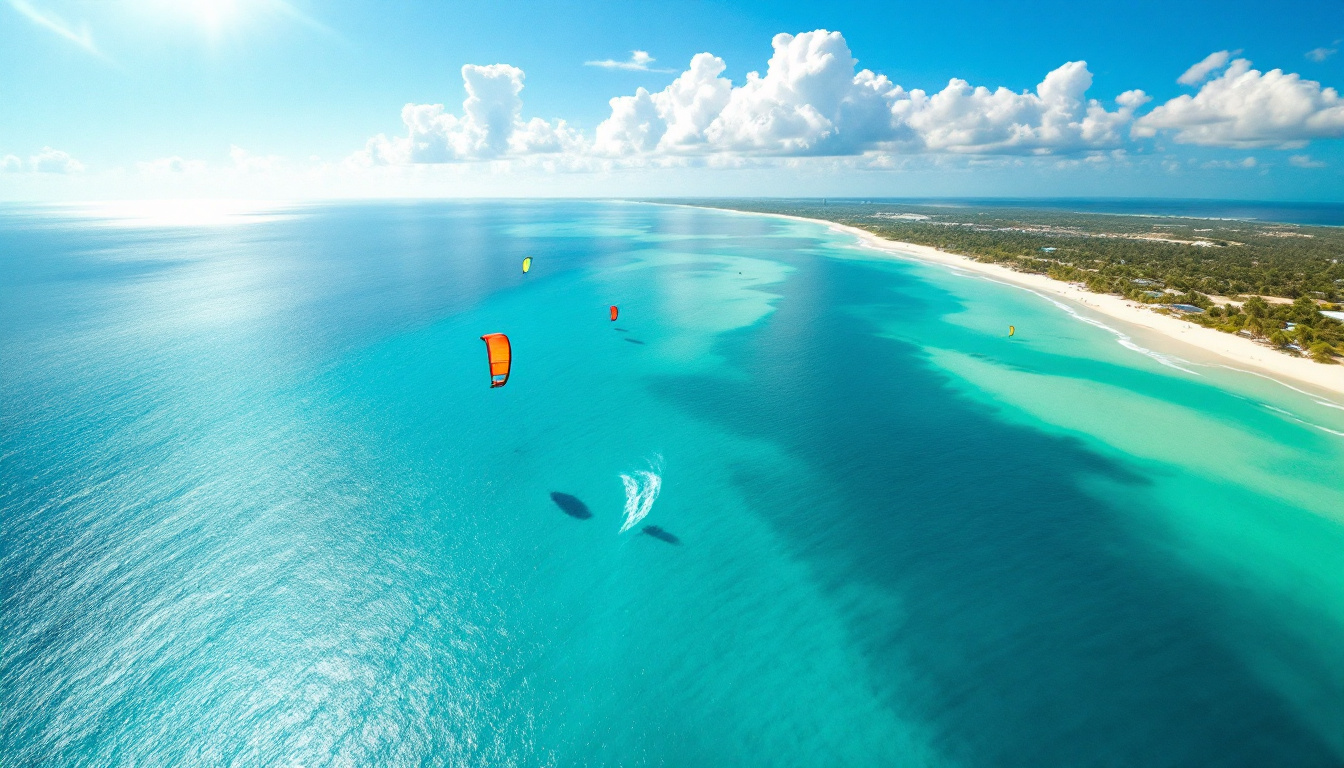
(1203, 345)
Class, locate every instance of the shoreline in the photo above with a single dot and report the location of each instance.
(1235, 352)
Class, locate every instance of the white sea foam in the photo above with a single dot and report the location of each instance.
(1315, 398)
(1128, 343)
(1319, 400)
(1120, 336)
(1302, 421)
(641, 490)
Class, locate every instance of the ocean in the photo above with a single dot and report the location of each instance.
(799, 505)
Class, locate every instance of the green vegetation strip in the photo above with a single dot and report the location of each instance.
(1226, 268)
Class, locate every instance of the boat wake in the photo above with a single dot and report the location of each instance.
(641, 490)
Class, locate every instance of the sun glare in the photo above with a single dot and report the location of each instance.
(181, 213)
(212, 13)
(225, 18)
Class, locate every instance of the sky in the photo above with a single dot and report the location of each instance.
(296, 99)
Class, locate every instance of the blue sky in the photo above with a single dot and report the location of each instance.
(292, 98)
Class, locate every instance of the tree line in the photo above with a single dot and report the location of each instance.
(1133, 256)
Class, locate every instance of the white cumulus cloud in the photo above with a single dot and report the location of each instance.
(1246, 108)
(1056, 118)
(671, 120)
(1211, 63)
(812, 101)
(1305, 161)
(247, 162)
(490, 126)
(1244, 163)
(172, 165)
(1321, 54)
(10, 164)
(639, 61)
(54, 161)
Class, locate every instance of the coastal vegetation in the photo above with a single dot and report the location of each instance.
(1264, 280)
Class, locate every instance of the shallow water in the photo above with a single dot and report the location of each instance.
(261, 508)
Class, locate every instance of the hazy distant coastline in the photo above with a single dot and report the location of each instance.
(1236, 351)
(1321, 214)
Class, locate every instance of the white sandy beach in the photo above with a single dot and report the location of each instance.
(1198, 342)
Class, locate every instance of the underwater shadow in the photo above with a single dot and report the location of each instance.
(571, 505)
(660, 534)
(635, 341)
(1026, 620)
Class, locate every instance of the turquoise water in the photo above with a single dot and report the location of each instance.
(260, 506)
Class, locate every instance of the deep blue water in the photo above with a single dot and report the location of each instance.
(260, 507)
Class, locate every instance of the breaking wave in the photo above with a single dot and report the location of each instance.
(1121, 337)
